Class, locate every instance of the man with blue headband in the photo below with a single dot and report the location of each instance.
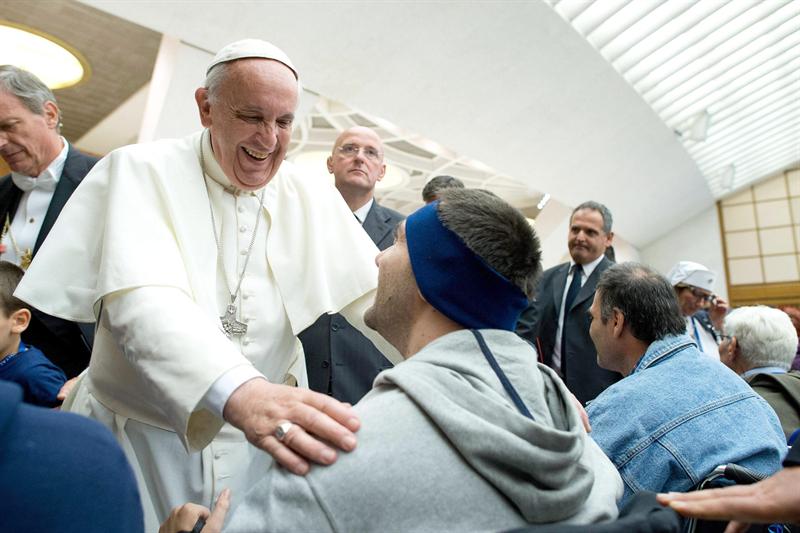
(468, 433)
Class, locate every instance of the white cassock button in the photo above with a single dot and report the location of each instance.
(240, 209)
(242, 229)
(246, 295)
(245, 341)
(243, 252)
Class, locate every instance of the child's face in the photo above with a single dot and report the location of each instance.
(11, 326)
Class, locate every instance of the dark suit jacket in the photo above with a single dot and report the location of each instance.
(539, 325)
(62, 472)
(67, 344)
(340, 360)
(782, 393)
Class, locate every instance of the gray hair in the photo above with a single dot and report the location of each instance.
(600, 208)
(28, 88)
(644, 297)
(766, 336)
(214, 79)
(496, 232)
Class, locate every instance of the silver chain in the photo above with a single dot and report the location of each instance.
(220, 259)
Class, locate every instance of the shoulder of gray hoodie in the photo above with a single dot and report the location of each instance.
(442, 447)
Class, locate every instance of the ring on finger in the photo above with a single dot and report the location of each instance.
(282, 429)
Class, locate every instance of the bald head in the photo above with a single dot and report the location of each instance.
(356, 163)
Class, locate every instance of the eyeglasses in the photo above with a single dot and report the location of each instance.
(722, 338)
(705, 297)
(352, 150)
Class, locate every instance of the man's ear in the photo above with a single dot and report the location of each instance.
(383, 172)
(19, 320)
(618, 322)
(329, 164)
(203, 106)
(734, 348)
(50, 112)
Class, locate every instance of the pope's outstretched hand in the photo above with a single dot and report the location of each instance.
(293, 425)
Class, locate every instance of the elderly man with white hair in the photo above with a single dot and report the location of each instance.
(759, 344)
(702, 310)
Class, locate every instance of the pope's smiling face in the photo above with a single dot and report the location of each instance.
(250, 118)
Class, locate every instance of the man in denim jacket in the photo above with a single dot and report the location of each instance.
(677, 414)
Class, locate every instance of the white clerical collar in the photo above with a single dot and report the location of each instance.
(588, 268)
(48, 179)
(362, 212)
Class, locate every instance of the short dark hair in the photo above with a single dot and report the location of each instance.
(496, 232)
(646, 299)
(431, 190)
(30, 90)
(600, 208)
(10, 274)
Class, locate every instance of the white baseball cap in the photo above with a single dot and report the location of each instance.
(693, 274)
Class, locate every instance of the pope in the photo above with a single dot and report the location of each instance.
(201, 259)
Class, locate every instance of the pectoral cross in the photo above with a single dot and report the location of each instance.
(230, 325)
(25, 260)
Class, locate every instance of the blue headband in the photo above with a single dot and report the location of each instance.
(454, 280)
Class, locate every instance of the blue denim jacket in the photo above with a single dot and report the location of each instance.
(678, 416)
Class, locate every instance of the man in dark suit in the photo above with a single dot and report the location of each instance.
(557, 321)
(45, 170)
(340, 360)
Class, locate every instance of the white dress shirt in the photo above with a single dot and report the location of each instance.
(362, 212)
(33, 205)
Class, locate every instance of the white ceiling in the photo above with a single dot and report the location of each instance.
(510, 84)
(411, 161)
(726, 75)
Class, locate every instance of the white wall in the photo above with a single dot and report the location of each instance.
(625, 251)
(171, 109)
(698, 239)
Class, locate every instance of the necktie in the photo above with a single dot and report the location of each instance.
(572, 293)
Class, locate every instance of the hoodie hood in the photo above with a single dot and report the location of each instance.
(536, 463)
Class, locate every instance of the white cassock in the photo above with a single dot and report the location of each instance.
(135, 245)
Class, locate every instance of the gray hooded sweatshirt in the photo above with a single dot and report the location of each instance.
(443, 448)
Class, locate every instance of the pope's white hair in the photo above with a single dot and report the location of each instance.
(766, 336)
(214, 80)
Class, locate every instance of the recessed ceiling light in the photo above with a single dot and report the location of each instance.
(51, 60)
